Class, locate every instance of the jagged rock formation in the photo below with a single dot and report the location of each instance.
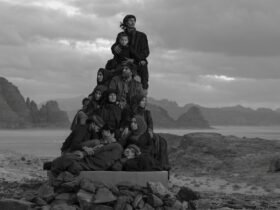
(161, 118)
(235, 115)
(15, 112)
(192, 119)
(50, 114)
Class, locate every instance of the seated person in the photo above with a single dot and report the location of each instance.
(98, 158)
(111, 112)
(139, 107)
(138, 135)
(96, 100)
(82, 115)
(83, 133)
(126, 54)
(126, 86)
(134, 160)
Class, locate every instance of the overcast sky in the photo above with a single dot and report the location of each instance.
(213, 53)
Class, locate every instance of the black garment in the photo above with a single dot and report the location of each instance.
(142, 162)
(144, 142)
(79, 135)
(159, 151)
(111, 114)
(146, 114)
(103, 159)
(126, 52)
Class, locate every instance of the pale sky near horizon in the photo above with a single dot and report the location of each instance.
(212, 53)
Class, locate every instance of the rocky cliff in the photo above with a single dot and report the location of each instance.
(15, 112)
(192, 119)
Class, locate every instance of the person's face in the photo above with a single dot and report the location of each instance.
(112, 97)
(133, 124)
(97, 95)
(129, 153)
(99, 77)
(126, 73)
(123, 40)
(143, 102)
(106, 134)
(86, 103)
(130, 23)
(94, 127)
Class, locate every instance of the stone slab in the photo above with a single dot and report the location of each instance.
(134, 177)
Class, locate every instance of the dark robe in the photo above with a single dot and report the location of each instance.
(144, 142)
(79, 135)
(111, 114)
(142, 162)
(102, 160)
(147, 116)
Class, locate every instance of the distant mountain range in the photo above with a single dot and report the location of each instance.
(15, 112)
(235, 115)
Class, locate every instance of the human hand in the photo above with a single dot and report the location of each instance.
(142, 63)
(151, 133)
(137, 78)
(125, 132)
(79, 154)
(127, 60)
(117, 49)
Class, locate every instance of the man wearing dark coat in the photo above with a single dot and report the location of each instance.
(98, 158)
(139, 43)
(83, 133)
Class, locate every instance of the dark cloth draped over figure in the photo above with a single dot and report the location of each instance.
(79, 135)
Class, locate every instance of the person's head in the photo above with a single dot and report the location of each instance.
(85, 102)
(123, 39)
(128, 22)
(108, 134)
(112, 96)
(95, 123)
(127, 71)
(98, 92)
(97, 95)
(142, 101)
(138, 124)
(100, 75)
(132, 151)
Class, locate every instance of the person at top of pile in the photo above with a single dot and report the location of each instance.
(127, 53)
(139, 43)
(126, 86)
(82, 115)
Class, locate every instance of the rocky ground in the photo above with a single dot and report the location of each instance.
(228, 172)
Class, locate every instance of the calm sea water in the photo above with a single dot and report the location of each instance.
(48, 142)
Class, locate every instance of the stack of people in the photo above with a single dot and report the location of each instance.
(114, 129)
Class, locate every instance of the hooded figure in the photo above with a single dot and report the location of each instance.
(138, 135)
(111, 112)
(97, 99)
(139, 104)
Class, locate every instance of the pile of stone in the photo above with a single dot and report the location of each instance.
(69, 193)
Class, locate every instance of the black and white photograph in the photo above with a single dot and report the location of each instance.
(139, 104)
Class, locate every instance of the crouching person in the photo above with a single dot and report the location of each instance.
(98, 158)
